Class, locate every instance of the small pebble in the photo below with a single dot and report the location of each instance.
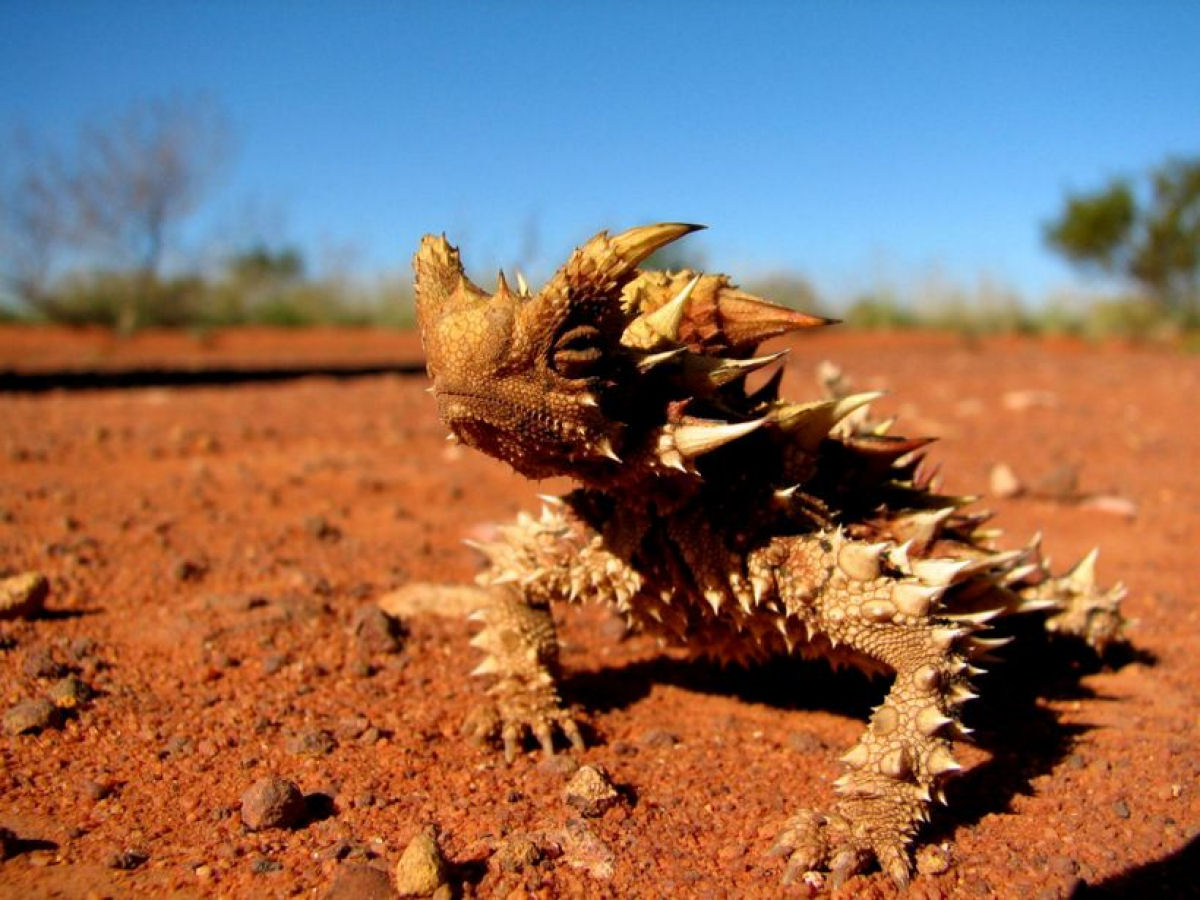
(1003, 481)
(69, 692)
(82, 648)
(360, 882)
(40, 663)
(421, 869)
(189, 570)
(932, 860)
(338, 850)
(370, 737)
(322, 529)
(559, 765)
(23, 596)
(515, 853)
(129, 858)
(658, 737)
(262, 865)
(311, 742)
(95, 791)
(272, 802)
(1062, 865)
(1121, 808)
(32, 715)
(376, 632)
(590, 792)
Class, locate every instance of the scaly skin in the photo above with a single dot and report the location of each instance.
(738, 524)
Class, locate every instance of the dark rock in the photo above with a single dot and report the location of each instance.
(262, 865)
(321, 528)
(272, 802)
(129, 858)
(360, 882)
(189, 570)
(376, 632)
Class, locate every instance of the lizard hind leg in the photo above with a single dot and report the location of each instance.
(895, 770)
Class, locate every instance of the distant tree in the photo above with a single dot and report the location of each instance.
(34, 221)
(117, 198)
(1153, 240)
(260, 263)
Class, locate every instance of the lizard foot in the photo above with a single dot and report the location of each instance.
(843, 842)
(487, 722)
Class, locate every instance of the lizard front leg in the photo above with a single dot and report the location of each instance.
(522, 652)
(532, 563)
(847, 593)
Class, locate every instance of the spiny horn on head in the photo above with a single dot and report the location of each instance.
(636, 244)
(605, 264)
(439, 274)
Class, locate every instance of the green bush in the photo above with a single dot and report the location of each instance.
(879, 311)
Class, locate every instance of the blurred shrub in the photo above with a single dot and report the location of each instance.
(878, 311)
(115, 299)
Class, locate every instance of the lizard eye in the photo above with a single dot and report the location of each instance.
(577, 353)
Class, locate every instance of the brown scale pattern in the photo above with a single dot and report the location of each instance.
(738, 524)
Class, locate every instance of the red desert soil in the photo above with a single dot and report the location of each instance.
(211, 552)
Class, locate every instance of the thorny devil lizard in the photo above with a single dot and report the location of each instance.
(737, 523)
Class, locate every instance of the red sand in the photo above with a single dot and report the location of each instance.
(209, 548)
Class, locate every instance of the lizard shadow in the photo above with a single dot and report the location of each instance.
(1011, 721)
(1172, 876)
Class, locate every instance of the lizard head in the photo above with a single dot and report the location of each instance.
(606, 362)
(532, 378)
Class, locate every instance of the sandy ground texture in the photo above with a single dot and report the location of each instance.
(215, 557)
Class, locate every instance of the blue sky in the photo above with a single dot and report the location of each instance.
(852, 142)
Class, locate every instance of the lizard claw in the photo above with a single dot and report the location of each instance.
(487, 722)
(832, 842)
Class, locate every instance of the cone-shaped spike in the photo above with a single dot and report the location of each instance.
(1083, 576)
(649, 361)
(654, 329)
(634, 245)
(747, 321)
(604, 445)
(522, 284)
(694, 440)
(809, 423)
(704, 373)
(502, 291)
(940, 571)
(489, 666)
(942, 761)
